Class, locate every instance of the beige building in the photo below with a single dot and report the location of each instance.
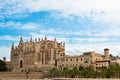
(43, 54)
(87, 59)
(39, 54)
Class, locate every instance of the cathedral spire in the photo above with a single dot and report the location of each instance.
(39, 39)
(55, 39)
(27, 41)
(31, 39)
(12, 48)
(45, 38)
(35, 39)
(61, 43)
(12, 45)
(21, 40)
(55, 43)
(64, 44)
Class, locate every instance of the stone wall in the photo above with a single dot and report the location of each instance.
(21, 75)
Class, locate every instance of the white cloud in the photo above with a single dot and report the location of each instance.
(15, 39)
(78, 49)
(100, 11)
(5, 52)
(73, 7)
(64, 32)
(112, 30)
(8, 37)
(18, 25)
(29, 26)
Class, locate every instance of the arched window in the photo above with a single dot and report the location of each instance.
(21, 64)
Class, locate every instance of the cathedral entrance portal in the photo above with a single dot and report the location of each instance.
(21, 64)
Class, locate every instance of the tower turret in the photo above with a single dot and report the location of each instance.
(55, 39)
(106, 52)
(39, 39)
(12, 51)
(55, 42)
(45, 39)
(35, 39)
(21, 40)
(60, 43)
(27, 41)
(12, 47)
(31, 40)
(64, 44)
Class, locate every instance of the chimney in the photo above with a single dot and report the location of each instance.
(4, 58)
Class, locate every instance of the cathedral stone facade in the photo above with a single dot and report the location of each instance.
(39, 54)
(43, 54)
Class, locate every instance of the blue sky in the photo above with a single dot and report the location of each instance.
(84, 25)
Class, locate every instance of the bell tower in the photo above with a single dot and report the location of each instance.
(106, 52)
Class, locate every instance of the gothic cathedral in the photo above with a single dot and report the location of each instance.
(39, 54)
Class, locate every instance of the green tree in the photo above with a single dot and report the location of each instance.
(111, 55)
(3, 66)
(81, 69)
(103, 71)
(114, 70)
(111, 71)
(66, 72)
(52, 73)
(97, 74)
(76, 72)
(88, 72)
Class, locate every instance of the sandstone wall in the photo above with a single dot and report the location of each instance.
(21, 75)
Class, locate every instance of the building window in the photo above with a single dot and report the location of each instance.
(54, 54)
(81, 59)
(21, 64)
(97, 68)
(76, 59)
(58, 51)
(66, 64)
(86, 61)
